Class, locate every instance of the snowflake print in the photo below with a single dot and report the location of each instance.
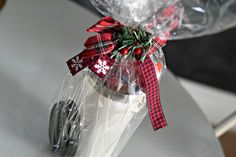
(77, 63)
(102, 67)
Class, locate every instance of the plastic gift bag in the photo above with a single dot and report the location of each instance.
(113, 84)
(96, 117)
(99, 108)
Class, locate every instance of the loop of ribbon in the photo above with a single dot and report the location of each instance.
(97, 57)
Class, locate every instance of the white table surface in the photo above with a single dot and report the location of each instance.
(36, 39)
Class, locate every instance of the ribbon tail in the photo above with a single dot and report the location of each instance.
(77, 63)
(153, 96)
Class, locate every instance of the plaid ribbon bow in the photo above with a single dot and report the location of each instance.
(97, 57)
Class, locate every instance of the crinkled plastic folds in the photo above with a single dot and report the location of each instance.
(94, 117)
(195, 17)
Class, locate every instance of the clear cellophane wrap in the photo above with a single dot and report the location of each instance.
(94, 117)
(98, 116)
(195, 17)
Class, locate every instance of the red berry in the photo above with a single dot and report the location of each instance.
(138, 52)
(124, 51)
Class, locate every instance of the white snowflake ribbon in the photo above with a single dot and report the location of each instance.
(102, 67)
(77, 63)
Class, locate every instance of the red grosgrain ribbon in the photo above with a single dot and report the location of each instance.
(97, 57)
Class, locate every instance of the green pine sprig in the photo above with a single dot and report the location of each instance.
(133, 38)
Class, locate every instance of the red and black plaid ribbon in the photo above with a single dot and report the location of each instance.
(153, 96)
(97, 58)
(98, 47)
